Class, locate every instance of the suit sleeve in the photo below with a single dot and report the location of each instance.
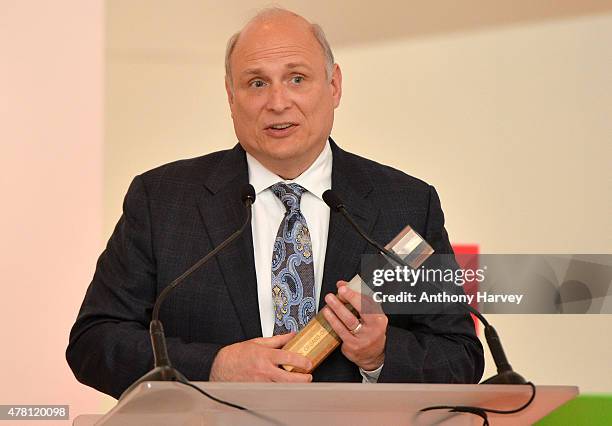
(436, 348)
(109, 346)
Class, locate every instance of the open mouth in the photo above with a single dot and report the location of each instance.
(281, 129)
(282, 126)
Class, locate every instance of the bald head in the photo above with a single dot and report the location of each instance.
(277, 21)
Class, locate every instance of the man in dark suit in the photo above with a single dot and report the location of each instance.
(283, 87)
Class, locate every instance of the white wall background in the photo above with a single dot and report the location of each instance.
(51, 94)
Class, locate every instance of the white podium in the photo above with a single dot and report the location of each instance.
(322, 404)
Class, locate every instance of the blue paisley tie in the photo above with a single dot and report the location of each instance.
(292, 265)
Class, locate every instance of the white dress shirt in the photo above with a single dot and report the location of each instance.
(268, 212)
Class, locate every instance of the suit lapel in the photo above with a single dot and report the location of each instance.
(223, 213)
(344, 245)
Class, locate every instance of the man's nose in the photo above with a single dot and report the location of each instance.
(279, 99)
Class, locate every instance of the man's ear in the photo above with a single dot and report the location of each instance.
(336, 83)
(228, 89)
(230, 94)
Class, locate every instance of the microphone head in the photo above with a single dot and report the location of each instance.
(247, 193)
(332, 200)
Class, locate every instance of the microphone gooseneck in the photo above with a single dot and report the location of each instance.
(335, 203)
(248, 198)
(505, 373)
(163, 370)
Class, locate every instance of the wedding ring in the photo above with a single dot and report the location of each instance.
(356, 329)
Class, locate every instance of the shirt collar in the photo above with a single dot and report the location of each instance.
(316, 179)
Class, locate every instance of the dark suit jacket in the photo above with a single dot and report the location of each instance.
(175, 214)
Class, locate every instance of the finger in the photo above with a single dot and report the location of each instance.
(280, 375)
(351, 297)
(337, 325)
(284, 357)
(347, 317)
(368, 305)
(275, 342)
(341, 284)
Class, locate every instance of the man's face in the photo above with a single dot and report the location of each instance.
(281, 100)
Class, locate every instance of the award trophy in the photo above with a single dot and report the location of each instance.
(318, 339)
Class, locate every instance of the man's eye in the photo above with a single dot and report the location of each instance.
(257, 83)
(297, 79)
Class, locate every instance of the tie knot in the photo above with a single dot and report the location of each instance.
(290, 194)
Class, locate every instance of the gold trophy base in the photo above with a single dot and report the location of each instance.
(315, 341)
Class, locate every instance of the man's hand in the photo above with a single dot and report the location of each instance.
(258, 360)
(366, 347)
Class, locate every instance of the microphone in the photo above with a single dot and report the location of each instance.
(505, 374)
(247, 194)
(163, 369)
